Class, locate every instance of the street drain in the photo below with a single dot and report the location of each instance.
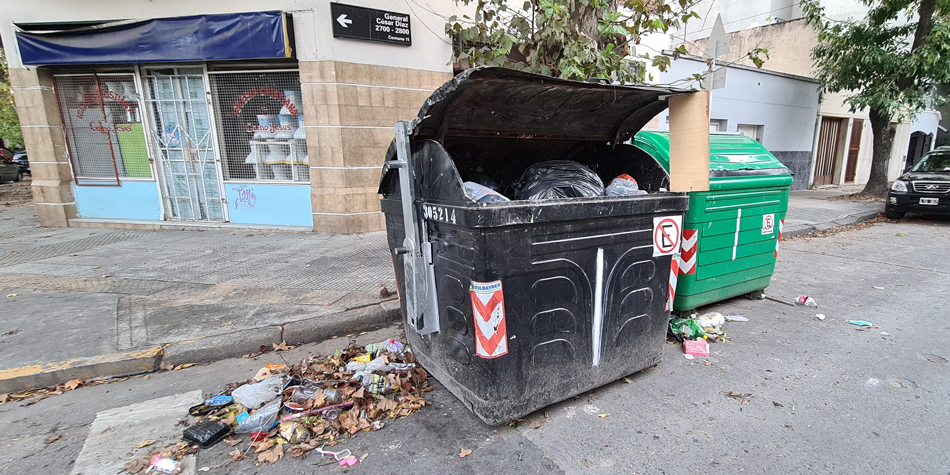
(933, 358)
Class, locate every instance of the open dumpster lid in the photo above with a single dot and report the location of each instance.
(493, 102)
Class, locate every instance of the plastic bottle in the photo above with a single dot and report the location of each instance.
(623, 185)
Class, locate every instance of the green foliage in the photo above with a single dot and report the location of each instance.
(9, 121)
(879, 61)
(572, 39)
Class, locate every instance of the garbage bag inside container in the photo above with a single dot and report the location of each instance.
(438, 167)
(558, 179)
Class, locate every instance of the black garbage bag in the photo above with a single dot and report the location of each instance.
(557, 179)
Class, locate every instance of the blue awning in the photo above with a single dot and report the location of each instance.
(254, 35)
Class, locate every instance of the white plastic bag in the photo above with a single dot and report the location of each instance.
(253, 396)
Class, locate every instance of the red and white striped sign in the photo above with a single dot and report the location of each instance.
(488, 307)
(674, 273)
(778, 242)
(687, 262)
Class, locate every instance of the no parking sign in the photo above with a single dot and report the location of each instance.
(666, 235)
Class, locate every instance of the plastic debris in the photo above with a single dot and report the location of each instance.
(207, 433)
(557, 179)
(885, 334)
(711, 322)
(820, 316)
(320, 401)
(860, 323)
(261, 421)
(807, 301)
(392, 345)
(696, 347)
(164, 465)
(735, 318)
(687, 327)
(253, 396)
(623, 185)
(482, 194)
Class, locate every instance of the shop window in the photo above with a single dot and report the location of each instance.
(103, 126)
(260, 126)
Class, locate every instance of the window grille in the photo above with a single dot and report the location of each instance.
(103, 125)
(260, 122)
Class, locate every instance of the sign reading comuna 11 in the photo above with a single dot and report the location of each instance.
(370, 24)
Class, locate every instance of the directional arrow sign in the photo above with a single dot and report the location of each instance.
(370, 24)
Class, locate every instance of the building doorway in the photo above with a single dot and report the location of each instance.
(182, 139)
(854, 147)
(827, 157)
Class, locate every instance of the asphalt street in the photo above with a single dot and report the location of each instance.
(814, 396)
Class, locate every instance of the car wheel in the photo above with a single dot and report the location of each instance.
(892, 214)
(19, 176)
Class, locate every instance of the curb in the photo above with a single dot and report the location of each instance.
(236, 344)
(801, 230)
(50, 374)
(200, 350)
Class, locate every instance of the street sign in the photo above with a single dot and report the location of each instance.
(717, 44)
(715, 79)
(370, 24)
(666, 235)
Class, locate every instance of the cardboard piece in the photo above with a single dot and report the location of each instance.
(689, 142)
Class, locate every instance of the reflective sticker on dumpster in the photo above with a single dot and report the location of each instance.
(666, 235)
(488, 305)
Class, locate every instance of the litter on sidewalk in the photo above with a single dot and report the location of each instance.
(317, 402)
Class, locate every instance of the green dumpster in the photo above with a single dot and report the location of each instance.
(731, 233)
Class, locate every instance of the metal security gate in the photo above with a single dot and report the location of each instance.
(827, 151)
(182, 137)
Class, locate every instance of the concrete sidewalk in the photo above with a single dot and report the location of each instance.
(92, 302)
(812, 210)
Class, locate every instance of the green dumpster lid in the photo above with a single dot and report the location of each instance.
(729, 154)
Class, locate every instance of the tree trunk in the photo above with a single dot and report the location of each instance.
(883, 133)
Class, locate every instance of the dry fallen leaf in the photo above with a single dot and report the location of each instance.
(137, 465)
(52, 438)
(97, 267)
(464, 453)
(183, 366)
(106, 276)
(271, 456)
(73, 384)
(4, 398)
(260, 352)
(236, 455)
(144, 443)
(283, 346)
(264, 445)
(232, 443)
(165, 367)
(12, 295)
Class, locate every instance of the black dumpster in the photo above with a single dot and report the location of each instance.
(516, 305)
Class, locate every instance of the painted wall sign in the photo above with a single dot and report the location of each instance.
(370, 24)
(264, 91)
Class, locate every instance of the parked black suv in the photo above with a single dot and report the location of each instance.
(924, 189)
